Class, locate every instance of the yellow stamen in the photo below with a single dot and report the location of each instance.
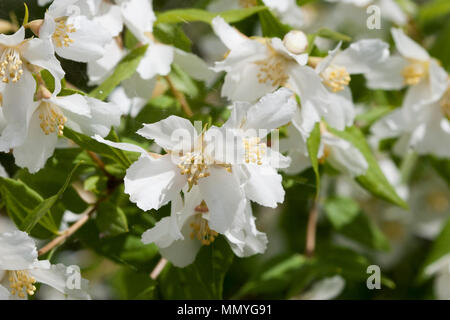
(10, 66)
(200, 227)
(415, 71)
(247, 3)
(21, 283)
(61, 35)
(438, 201)
(254, 150)
(194, 166)
(445, 103)
(52, 118)
(336, 78)
(273, 68)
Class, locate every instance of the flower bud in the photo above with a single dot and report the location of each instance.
(35, 26)
(295, 41)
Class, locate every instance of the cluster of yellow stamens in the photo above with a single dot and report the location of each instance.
(414, 72)
(445, 103)
(21, 283)
(194, 166)
(62, 31)
(52, 118)
(336, 78)
(438, 201)
(10, 65)
(247, 3)
(200, 227)
(273, 68)
(254, 150)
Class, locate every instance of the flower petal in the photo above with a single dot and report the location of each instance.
(157, 61)
(408, 47)
(17, 251)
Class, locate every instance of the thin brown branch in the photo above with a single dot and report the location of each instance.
(158, 269)
(99, 163)
(311, 230)
(180, 97)
(69, 231)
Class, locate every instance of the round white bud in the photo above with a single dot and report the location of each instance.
(295, 41)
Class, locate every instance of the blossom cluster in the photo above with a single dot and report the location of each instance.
(290, 108)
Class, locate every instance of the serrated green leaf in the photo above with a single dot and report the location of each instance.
(172, 34)
(191, 15)
(373, 180)
(124, 70)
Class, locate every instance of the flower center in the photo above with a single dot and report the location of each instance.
(445, 103)
(414, 72)
(194, 166)
(200, 227)
(21, 283)
(438, 202)
(52, 118)
(247, 3)
(273, 68)
(335, 78)
(10, 66)
(61, 35)
(254, 150)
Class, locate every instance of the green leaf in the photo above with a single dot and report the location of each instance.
(124, 70)
(20, 202)
(191, 15)
(334, 35)
(433, 10)
(132, 285)
(373, 180)
(172, 34)
(201, 280)
(102, 149)
(271, 26)
(313, 145)
(44, 207)
(111, 220)
(348, 219)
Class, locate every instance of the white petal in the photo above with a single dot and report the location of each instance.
(137, 87)
(18, 107)
(387, 75)
(102, 68)
(361, 56)
(223, 196)
(152, 183)
(13, 39)
(121, 145)
(110, 17)
(157, 61)
(408, 47)
(170, 133)
(230, 36)
(17, 251)
(272, 111)
(40, 53)
(63, 279)
(138, 16)
(89, 41)
(263, 185)
(37, 147)
(4, 293)
(392, 11)
(75, 103)
(326, 289)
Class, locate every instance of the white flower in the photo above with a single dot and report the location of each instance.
(258, 162)
(267, 64)
(154, 181)
(20, 269)
(73, 34)
(423, 127)
(181, 235)
(19, 59)
(50, 114)
(339, 153)
(325, 289)
(414, 67)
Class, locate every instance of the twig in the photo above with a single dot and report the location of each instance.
(311, 230)
(180, 97)
(99, 163)
(159, 267)
(70, 231)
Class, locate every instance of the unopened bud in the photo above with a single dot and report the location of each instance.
(35, 26)
(295, 41)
